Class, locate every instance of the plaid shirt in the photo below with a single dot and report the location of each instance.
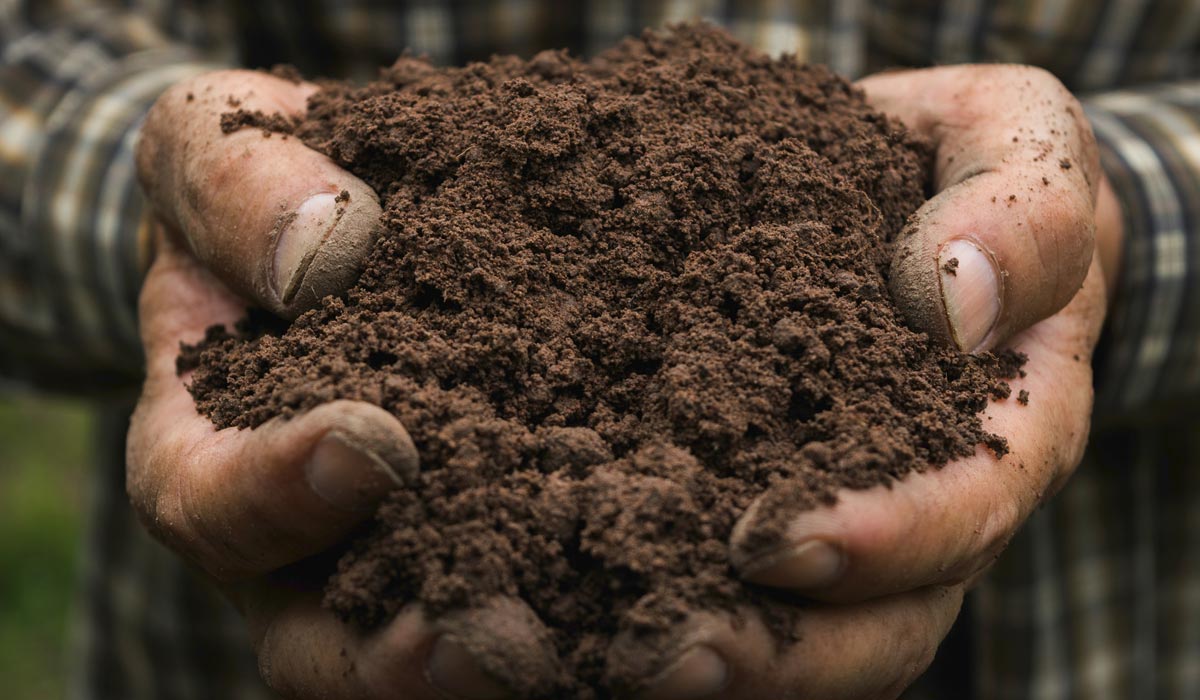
(1098, 597)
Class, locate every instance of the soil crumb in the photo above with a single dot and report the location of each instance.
(288, 72)
(257, 119)
(613, 302)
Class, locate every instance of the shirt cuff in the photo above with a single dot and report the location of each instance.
(1149, 357)
(83, 202)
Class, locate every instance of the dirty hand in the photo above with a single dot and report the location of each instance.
(1021, 203)
(246, 219)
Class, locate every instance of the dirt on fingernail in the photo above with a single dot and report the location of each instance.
(613, 302)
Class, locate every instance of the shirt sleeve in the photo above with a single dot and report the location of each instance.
(1149, 359)
(74, 87)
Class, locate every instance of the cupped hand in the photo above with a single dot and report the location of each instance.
(242, 218)
(1002, 255)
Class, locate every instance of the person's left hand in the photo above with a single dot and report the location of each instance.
(1021, 203)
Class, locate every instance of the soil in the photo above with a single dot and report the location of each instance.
(613, 302)
(269, 123)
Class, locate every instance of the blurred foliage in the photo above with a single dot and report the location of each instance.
(44, 457)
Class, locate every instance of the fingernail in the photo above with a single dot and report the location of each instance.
(699, 672)
(808, 565)
(298, 238)
(970, 292)
(455, 673)
(346, 476)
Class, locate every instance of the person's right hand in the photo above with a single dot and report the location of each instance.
(246, 219)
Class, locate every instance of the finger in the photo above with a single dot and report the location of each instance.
(940, 526)
(1008, 239)
(500, 650)
(240, 502)
(278, 222)
(858, 652)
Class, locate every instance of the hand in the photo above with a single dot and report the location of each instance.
(1021, 202)
(243, 218)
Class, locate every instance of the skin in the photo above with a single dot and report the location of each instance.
(246, 506)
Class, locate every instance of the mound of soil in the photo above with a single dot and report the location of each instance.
(613, 302)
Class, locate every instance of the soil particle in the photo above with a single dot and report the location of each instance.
(257, 119)
(951, 267)
(613, 302)
(288, 72)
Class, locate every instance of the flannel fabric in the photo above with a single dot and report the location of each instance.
(1098, 597)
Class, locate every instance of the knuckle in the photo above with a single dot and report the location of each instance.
(1077, 435)
(145, 154)
(207, 540)
(176, 99)
(1076, 428)
(1042, 78)
(995, 532)
(916, 644)
(171, 116)
(149, 146)
(916, 656)
(985, 78)
(920, 660)
(151, 489)
(206, 87)
(1025, 76)
(167, 505)
(1063, 236)
(1077, 232)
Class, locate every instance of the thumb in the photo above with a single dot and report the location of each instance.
(279, 223)
(1007, 239)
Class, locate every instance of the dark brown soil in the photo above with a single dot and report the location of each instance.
(269, 123)
(613, 302)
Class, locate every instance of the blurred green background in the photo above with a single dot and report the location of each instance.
(44, 458)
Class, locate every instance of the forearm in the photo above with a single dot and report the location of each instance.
(72, 244)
